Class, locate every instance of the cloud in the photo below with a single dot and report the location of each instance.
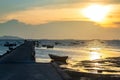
(44, 11)
(36, 16)
(8, 6)
(15, 5)
(40, 15)
(114, 17)
(47, 11)
(113, 1)
(117, 22)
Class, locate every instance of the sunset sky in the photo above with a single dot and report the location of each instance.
(60, 19)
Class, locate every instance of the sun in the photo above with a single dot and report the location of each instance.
(96, 12)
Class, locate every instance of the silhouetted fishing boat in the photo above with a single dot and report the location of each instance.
(7, 44)
(58, 58)
(10, 45)
(44, 45)
(50, 46)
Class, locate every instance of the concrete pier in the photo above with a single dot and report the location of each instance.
(20, 65)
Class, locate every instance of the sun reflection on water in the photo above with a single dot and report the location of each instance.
(94, 57)
(95, 53)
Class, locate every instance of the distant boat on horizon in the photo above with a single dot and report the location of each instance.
(50, 46)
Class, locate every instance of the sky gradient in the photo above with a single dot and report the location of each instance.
(57, 19)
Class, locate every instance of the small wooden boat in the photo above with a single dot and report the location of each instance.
(44, 45)
(50, 46)
(7, 44)
(58, 58)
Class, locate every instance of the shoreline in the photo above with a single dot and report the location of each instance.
(91, 76)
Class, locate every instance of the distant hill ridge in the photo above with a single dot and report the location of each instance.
(10, 37)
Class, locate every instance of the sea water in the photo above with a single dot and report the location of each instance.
(4, 49)
(91, 56)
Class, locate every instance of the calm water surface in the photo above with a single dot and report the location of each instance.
(93, 56)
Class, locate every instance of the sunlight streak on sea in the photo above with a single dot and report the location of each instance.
(94, 56)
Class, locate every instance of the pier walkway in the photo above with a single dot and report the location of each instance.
(20, 65)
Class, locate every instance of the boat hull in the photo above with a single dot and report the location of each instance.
(56, 58)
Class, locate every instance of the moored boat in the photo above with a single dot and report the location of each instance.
(58, 58)
(50, 46)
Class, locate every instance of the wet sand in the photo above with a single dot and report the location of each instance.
(101, 73)
(90, 76)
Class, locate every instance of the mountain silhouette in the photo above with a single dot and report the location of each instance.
(11, 37)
